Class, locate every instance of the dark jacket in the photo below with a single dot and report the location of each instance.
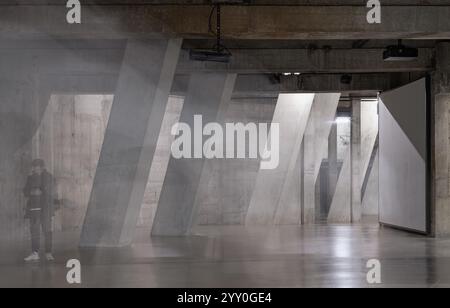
(45, 184)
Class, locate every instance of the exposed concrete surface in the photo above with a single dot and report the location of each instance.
(23, 99)
(160, 162)
(369, 133)
(244, 22)
(251, 61)
(441, 172)
(235, 257)
(356, 175)
(340, 210)
(291, 113)
(370, 200)
(206, 93)
(130, 141)
(224, 196)
(69, 139)
(316, 148)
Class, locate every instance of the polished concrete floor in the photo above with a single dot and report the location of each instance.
(306, 256)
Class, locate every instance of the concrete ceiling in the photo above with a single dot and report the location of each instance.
(246, 2)
(281, 20)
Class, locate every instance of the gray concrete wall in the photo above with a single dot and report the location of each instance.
(17, 124)
(225, 198)
(69, 139)
(206, 96)
(316, 141)
(160, 162)
(130, 141)
(340, 209)
(291, 113)
(369, 134)
(28, 76)
(370, 200)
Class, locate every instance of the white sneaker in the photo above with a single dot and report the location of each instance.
(32, 258)
(49, 257)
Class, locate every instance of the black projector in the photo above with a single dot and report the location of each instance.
(400, 53)
(210, 55)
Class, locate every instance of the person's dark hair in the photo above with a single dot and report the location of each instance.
(38, 163)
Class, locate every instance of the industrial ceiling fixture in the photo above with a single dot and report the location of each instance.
(400, 52)
(219, 53)
(291, 74)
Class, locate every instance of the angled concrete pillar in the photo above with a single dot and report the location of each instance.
(322, 114)
(369, 158)
(341, 205)
(369, 134)
(292, 112)
(333, 170)
(356, 160)
(139, 104)
(289, 207)
(316, 147)
(207, 92)
(214, 168)
(340, 209)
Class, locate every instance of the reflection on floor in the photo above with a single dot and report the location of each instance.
(308, 256)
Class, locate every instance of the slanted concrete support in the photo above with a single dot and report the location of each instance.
(316, 148)
(356, 160)
(333, 170)
(207, 92)
(139, 104)
(292, 112)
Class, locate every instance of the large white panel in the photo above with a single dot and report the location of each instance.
(402, 160)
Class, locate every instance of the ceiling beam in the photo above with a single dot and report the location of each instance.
(246, 61)
(245, 2)
(239, 22)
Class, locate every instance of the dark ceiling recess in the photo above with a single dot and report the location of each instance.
(346, 79)
(359, 44)
(400, 52)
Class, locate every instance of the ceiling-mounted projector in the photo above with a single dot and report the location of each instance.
(400, 52)
(221, 56)
(219, 53)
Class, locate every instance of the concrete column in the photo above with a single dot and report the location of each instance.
(356, 160)
(289, 207)
(369, 158)
(333, 170)
(291, 112)
(309, 167)
(440, 212)
(130, 140)
(206, 94)
(340, 209)
(316, 147)
(216, 173)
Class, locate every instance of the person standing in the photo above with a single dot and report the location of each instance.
(39, 191)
